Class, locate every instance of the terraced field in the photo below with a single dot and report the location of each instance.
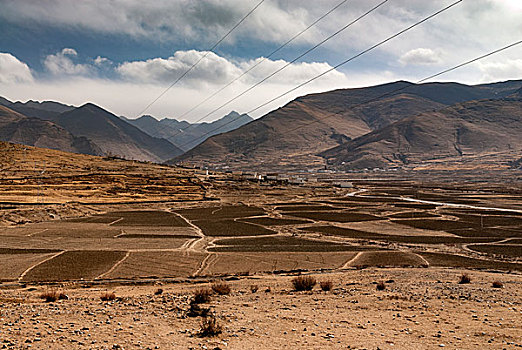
(387, 259)
(74, 265)
(497, 249)
(230, 227)
(212, 238)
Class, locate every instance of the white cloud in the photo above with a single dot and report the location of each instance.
(217, 70)
(294, 73)
(501, 70)
(469, 28)
(100, 61)
(211, 69)
(13, 71)
(421, 57)
(69, 52)
(61, 63)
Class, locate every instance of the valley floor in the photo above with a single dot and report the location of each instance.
(418, 309)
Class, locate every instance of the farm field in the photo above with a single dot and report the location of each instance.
(271, 229)
(256, 239)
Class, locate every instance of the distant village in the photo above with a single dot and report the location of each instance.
(277, 178)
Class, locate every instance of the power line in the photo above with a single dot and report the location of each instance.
(358, 55)
(262, 60)
(199, 60)
(335, 67)
(417, 82)
(289, 63)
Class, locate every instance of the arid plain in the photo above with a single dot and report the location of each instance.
(153, 235)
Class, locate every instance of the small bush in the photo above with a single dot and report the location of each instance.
(497, 284)
(210, 327)
(221, 288)
(195, 310)
(158, 291)
(49, 296)
(301, 283)
(381, 286)
(326, 285)
(464, 279)
(108, 296)
(201, 296)
(254, 288)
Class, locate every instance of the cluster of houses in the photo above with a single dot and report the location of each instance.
(276, 178)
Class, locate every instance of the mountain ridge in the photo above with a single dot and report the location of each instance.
(469, 128)
(114, 135)
(185, 135)
(294, 135)
(18, 128)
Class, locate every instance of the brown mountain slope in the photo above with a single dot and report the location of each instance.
(291, 136)
(17, 128)
(185, 135)
(114, 135)
(468, 129)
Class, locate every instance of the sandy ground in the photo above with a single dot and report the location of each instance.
(419, 309)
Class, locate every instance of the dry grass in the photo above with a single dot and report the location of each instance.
(497, 284)
(221, 288)
(381, 286)
(197, 311)
(202, 295)
(210, 327)
(464, 279)
(108, 296)
(301, 283)
(326, 286)
(50, 296)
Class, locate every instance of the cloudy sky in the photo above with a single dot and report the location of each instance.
(122, 54)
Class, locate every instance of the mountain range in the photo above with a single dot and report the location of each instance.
(90, 129)
(185, 135)
(387, 125)
(18, 128)
(392, 125)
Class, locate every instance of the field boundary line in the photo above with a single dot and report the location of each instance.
(198, 230)
(37, 232)
(422, 258)
(215, 211)
(39, 263)
(115, 221)
(114, 266)
(346, 264)
(205, 264)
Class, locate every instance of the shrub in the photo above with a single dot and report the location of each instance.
(254, 288)
(301, 283)
(497, 284)
(49, 296)
(108, 296)
(196, 310)
(158, 291)
(221, 288)
(201, 296)
(326, 285)
(464, 279)
(381, 286)
(210, 327)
